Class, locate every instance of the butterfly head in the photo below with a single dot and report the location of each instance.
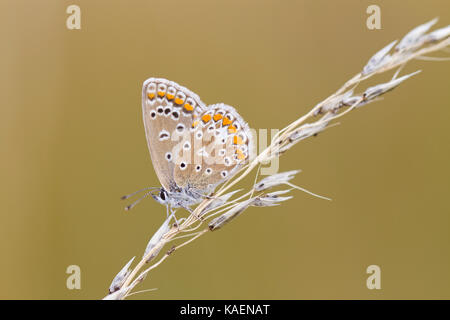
(162, 196)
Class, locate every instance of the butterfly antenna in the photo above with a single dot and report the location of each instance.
(136, 192)
(129, 207)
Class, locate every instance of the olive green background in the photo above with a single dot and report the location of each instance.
(72, 143)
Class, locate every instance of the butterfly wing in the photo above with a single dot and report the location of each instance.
(219, 144)
(168, 113)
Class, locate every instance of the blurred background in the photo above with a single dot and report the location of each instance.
(73, 142)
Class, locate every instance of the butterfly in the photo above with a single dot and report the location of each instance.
(194, 147)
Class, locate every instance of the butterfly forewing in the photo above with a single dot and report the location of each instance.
(168, 112)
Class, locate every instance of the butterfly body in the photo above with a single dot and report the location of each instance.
(181, 198)
(193, 147)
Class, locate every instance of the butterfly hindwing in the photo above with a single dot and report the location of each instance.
(168, 112)
(220, 143)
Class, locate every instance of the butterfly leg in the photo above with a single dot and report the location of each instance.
(172, 213)
(204, 196)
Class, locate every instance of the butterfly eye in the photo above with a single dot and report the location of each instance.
(162, 195)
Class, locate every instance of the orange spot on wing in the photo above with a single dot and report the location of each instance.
(187, 106)
(232, 129)
(161, 93)
(151, 95)
(195, 123)
(237, 140)
(206, 118)
(170, 96)
(179, 101)
(240, 154)
(226, 121)
(217, 117)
